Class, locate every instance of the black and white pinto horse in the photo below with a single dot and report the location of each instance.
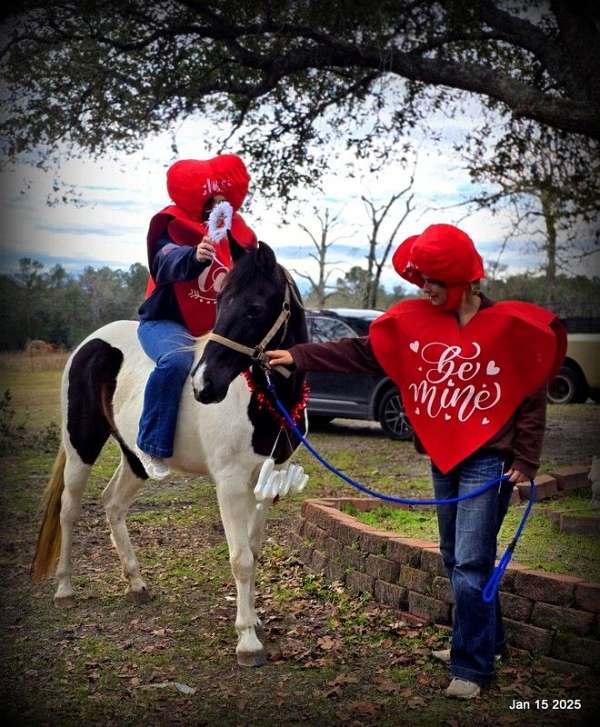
(223, 431)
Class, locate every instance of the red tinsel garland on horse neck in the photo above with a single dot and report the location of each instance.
(265, 403)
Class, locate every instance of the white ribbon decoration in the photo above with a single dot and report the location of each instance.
(272, 483)
(219, 221)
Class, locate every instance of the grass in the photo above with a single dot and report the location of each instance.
(34, 385)
(541, 546)
(35, 395)
(23, 361)
(334, 657)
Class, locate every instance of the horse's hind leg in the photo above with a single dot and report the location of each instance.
(235, 501)
(87, 384)
(75, 477)
(117, 498)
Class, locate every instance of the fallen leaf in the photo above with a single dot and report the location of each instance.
(363, 708)
(344, 678)
(388, 686)
(327, 643)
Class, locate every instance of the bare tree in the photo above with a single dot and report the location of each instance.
(377, 216)
(550, 191)
(321, 242)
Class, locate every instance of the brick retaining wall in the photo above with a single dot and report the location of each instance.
(555, 616)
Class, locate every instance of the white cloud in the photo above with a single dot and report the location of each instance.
(118, 198)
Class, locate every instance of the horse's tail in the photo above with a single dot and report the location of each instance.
(48, 543)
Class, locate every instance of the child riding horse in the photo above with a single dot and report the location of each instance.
(229, 440)
(187, 269)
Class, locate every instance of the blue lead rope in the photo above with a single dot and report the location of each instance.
(491, 587)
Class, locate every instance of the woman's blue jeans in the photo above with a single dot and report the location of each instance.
(468, 533)
(163, 342)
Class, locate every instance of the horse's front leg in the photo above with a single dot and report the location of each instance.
(257, 518)
(235, 502)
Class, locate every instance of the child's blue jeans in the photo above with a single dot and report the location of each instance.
(468, 533)
(163, 342)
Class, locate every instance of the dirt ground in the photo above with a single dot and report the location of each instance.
(333, 658)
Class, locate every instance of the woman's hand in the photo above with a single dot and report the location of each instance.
(279, 358)
(516, 476)
(205, 250)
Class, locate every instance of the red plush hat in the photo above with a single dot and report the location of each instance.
(192, 182)
(442, 252)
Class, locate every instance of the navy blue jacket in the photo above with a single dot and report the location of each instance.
(169, 263)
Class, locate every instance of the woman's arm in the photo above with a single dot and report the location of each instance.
(348, 355)
(530, 424)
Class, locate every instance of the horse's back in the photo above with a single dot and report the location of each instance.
(103, 393)
(119, 334)
(91, 379)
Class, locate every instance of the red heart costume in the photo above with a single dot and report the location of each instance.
(191, 183)
(460, 385)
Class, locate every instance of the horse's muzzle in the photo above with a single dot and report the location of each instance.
(208, 394)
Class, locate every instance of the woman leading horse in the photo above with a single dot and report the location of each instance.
(472, 377)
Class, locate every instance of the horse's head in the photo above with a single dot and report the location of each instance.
(255, 293)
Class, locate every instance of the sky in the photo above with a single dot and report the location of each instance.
(117, 198)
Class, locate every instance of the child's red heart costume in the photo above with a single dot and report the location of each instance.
(191, 183)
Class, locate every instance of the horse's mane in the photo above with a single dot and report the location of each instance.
(259, 262)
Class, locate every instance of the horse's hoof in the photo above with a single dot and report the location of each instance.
(251, 658)
(64, 601)
(142, 596)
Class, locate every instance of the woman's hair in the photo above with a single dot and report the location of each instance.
(475, 287)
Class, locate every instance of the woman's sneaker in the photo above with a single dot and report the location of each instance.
(156, 468)
(463, 689)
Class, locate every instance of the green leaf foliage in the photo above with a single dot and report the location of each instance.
(290, 77)
(62, 309)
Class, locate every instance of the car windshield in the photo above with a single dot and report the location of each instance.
(323, 328)
(360, 325)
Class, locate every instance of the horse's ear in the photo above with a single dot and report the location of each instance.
(265, 257)
(237, 251)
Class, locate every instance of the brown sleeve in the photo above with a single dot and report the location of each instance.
(348, 355)
(529, 425)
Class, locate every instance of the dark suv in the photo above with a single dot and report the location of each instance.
(352, 396)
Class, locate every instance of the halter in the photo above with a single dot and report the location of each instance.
(257, 354)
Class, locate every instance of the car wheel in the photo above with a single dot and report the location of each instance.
(392, 418)
(567, 387)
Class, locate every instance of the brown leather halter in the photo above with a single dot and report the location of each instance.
(257, 354)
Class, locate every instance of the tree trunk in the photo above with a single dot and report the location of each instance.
(322, 262)
(370, 265)
(550, 221)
